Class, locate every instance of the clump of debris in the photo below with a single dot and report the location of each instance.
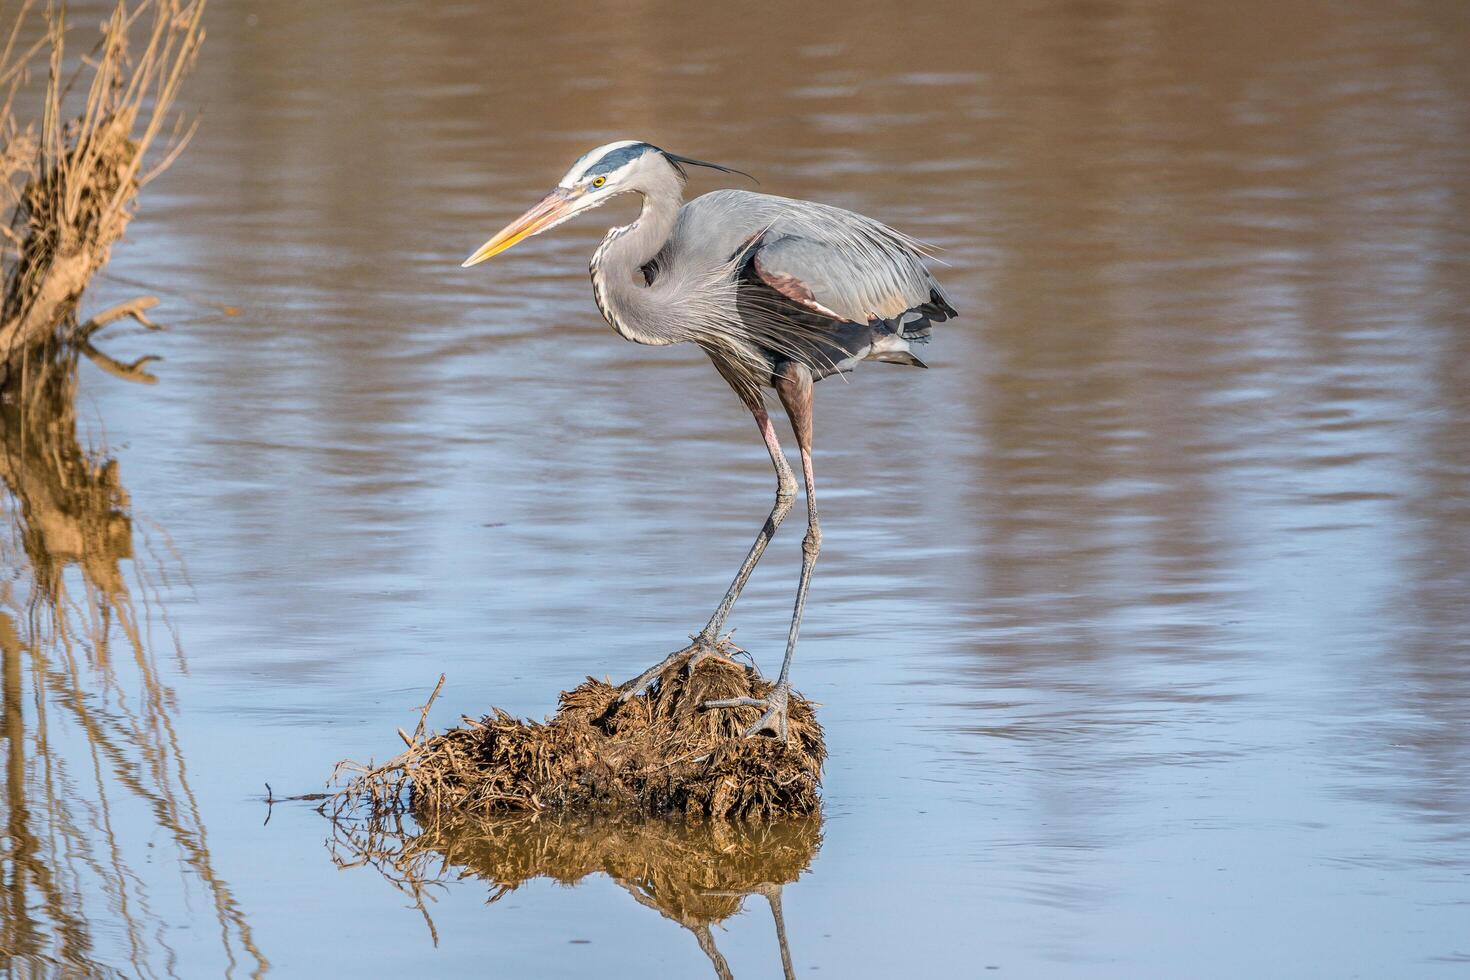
(660, 751)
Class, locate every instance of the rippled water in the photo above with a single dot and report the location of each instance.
(1140, 625)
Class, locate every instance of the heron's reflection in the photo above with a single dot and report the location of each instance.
(93, 768)
(697, 874)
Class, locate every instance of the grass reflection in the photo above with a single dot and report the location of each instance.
(695, 873)
(96, 785)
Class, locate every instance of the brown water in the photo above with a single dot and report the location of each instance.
(1140, 627)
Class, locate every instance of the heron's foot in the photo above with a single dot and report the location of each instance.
(703, 653)
(700, 647)
(773, 720)
(631, 689)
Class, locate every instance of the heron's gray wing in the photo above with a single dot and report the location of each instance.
(857, 274)
(799, 268)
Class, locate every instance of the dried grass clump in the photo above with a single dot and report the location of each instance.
(68, 180)
(657, 753)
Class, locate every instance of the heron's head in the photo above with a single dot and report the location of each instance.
(624, 167)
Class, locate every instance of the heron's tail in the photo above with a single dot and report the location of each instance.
(917, 324)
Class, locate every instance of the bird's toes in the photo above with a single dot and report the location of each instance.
(773, 721)
(735, 703)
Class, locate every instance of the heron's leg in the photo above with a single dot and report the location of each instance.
(708, 637)
(772, 892)
(700, 928)
(706, 941)
(785, 496)
(795, 388)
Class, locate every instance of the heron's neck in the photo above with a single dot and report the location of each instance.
(638, 310)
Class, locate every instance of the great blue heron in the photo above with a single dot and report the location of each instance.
(779, 293)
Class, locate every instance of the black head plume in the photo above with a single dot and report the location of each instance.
(679, 161)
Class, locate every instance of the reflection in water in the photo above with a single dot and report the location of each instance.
(89, 741)
(697, 874)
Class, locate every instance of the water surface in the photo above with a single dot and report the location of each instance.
(1140, 623)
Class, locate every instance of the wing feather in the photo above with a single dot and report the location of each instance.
(855, 270)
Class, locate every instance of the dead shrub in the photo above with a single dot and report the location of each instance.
(73, 156)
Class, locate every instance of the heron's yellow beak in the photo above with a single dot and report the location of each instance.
(553, 209)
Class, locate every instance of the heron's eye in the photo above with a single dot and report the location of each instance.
(598, 181)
